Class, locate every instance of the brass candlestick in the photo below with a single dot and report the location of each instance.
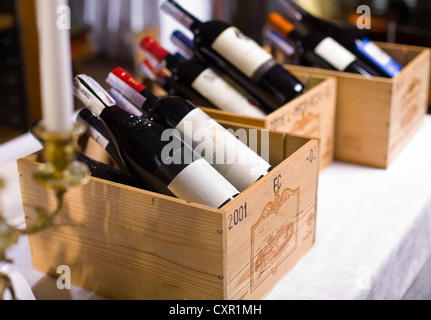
(59, 172)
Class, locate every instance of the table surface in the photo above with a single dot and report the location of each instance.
(373, 232)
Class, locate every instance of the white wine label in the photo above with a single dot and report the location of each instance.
(379, 57)
(92, 95)
(243, 52)
(210, 85)
(335, 54)
(200, 183)
(128, 90)
(234, 160)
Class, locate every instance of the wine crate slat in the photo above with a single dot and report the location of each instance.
(376, 118)
(126, 243)
(311, 114)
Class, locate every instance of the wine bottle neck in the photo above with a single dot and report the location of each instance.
(180, 14)
(295, 35)
(172, 61)
(280, 42)
(150, 104)
(291, 9)
(184, 43)
(114, 117)
(283, 27)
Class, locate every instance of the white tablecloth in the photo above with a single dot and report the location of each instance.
(373, 231)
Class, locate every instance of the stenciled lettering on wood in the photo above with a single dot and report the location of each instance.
(275, 235)
(302, 118)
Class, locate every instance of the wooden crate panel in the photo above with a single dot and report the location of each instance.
(279, 228)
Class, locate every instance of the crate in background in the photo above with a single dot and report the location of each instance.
(376, 118)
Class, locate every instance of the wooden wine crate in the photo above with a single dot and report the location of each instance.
(311, 114)
(126, 243)
(376, 118)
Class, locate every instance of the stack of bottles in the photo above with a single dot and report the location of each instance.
(218, 67)
(323, 44)
(164, 144)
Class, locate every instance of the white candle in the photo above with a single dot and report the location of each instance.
(55, 67)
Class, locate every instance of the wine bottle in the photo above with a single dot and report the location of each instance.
(216, 41)
(150, 158)
(243, 168)
(254, 94)
(321, 49)
(364, 49)
(204, 80)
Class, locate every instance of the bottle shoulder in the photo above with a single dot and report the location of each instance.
(188, 71)
(312, 40)
(124, 126)
(212, 24)
(174, 104)
(206, 33)
(170, 110)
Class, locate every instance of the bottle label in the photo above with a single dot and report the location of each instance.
(335, 54)
(200, 183)
(244, 53)
(384, 61)
(130, 89)
(234, 160)
(210, 85)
